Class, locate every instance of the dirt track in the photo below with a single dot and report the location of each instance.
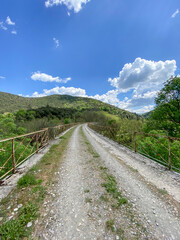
(81, 207)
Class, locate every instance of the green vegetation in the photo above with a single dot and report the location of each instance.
(88, 200)
(32, 114)
(19, 123)
(162, 191)
(110, 185)
(28, 179)
(30, 193)
(86, 190)
(13, 103)
(23, 150)
(166, 115)
(110, 225)
(17, 229)
(8, 126)
(164, 120)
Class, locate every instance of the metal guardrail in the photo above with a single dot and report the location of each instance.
(15, 150)
(165, 149)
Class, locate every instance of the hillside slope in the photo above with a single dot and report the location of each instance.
(12, 103)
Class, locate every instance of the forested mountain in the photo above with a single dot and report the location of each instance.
(12, 103)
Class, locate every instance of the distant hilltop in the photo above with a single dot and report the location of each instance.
(11, 103)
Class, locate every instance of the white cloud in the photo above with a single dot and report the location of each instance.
(38, 76)
(141, 80)
(143, 75)
(144, 109)
(137, 106)
(175, 13)
(14, 32)
(2, 26)
(75, 5)
(138, 101)
(56, 41)
(109, 97)
(9, 22)
(62, 91)
(1, 77)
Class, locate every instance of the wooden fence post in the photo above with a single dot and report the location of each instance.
(13, 157)
(169, 153)
(135, 142)
(37, 150)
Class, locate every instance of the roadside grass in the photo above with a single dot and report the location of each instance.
(20, 209)
(28, 179)
(86, 190)
(110, 225)
(88, 200)
(162, 191)
(104, 198)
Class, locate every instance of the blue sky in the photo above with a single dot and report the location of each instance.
(117, 51)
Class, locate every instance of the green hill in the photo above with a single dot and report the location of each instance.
(12, 103)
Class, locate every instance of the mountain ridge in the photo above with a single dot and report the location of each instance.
(11, 103)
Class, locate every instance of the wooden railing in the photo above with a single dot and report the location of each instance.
(15, 150)
(162, 149)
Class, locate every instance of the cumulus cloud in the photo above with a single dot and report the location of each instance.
(141, 80)
(62, 91)
(137, 102)
(109, 97)
(143, 75)
(9, 22)
(144, 109)
(175, 13)
(38, 76)
(75, 5)
(56, 42)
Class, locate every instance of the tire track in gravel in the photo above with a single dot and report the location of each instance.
(157, 214)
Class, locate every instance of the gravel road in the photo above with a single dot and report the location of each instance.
(81, 208)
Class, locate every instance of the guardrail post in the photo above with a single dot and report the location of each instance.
(13, 157)
(169, 153)
(37, 149)
(54, 132)
(135, 142)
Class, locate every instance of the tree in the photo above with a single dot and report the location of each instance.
(8, 126)
(166, 115)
